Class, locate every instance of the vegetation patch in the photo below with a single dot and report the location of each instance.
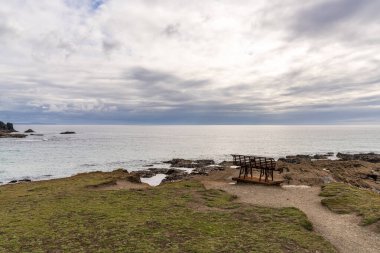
(343, 198)
(66, 215)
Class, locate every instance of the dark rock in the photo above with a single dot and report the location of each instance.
(145, 173)
(24, 180)
(120, 170)
(10, 127)
(134, 178)
(159, 170)
(296, 159)
(226, 163)
(173, 171)
(199, 171)
(369, 157)
(37, 134)
(13, 182)
(175, 177)
(68, 132)
(183, 163)
(6, 127)
(320, 157)
(154, 171)
(206, 170)
(11, 135)
(374, 175)
(29, 131)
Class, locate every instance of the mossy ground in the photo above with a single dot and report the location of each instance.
(343, 198)
(66, 215)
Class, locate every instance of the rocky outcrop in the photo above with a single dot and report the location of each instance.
(68, 132)
(7, 127)
(171, 174)
(7, 131)
(11, 135)
(296, 159)
(369, 157)
(25, 180)
(29, 131)
(175, 176)
(183, 163)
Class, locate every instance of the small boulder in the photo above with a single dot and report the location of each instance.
(29, 131)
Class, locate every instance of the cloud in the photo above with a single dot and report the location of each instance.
(230, 62)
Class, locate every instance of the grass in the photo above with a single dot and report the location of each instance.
(66, 215)
(343, 198)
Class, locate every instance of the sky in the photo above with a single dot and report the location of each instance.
(190, 62)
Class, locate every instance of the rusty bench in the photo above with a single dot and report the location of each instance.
(247, 164)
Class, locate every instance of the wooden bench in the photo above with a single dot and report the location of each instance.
(247, 164)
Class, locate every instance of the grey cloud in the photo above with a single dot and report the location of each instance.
(318, 64)
(329, 87)
(322, 17)
(164, 86)
(172, 29)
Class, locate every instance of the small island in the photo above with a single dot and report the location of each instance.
(7, 131)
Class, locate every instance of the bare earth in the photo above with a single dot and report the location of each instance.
(342, 231)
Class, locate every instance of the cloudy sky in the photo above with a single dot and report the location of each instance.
(190, 62)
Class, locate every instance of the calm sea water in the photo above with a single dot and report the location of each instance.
(131, 147)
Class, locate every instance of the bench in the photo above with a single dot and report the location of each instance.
(266, 166)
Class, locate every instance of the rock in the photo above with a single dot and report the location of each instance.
(10, 127)
(368, 157)
(183, 163)
(6, 129)
(26, 180)
(296, 159)
(121, 170)
(199, 171)
(159, 170)
(320, 157)
(328, 179)
(175, 177)
(145, 173)
(226, 163)
(37, 134)
(11, 135)
(173, 171)
(373, 175)
(68, 132)
(134, 178)
(29, 131)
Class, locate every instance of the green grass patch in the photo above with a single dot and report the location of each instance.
(66, 215)
(343, 198)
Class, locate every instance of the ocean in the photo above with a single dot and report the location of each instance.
(108, 147)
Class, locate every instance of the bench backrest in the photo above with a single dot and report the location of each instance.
(255, 162)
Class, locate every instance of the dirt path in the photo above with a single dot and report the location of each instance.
(342, 231)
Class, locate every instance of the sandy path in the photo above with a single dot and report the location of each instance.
(342, 231)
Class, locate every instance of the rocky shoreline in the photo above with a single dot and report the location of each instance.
(361, 170)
